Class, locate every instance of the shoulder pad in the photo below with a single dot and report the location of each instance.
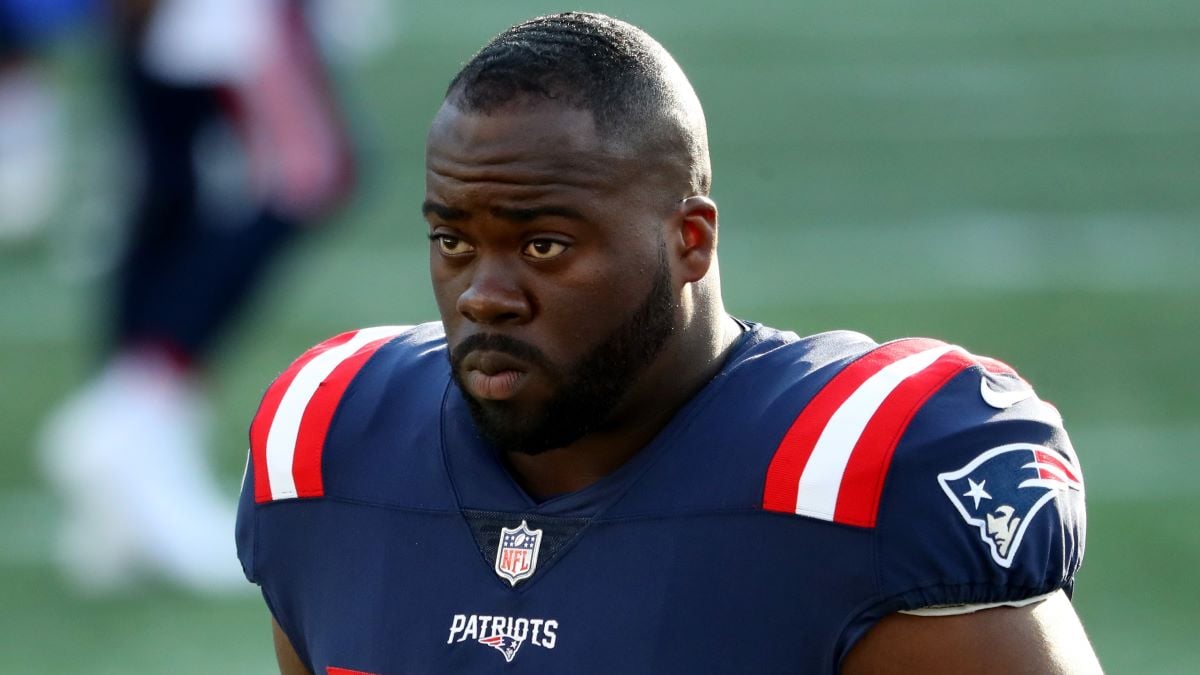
(834, 459)
(288, 433)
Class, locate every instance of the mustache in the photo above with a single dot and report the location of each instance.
(494, 342)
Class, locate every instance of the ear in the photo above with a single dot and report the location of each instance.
(695, 236)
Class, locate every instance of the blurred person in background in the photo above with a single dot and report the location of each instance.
(241, 147)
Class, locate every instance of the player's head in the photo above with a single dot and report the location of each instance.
(573, 242)
(635, 91)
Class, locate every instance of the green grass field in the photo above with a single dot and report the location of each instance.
(1020, 178)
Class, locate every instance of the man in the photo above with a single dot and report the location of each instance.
(589, 466)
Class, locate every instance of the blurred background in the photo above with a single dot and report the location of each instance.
(1020, 178)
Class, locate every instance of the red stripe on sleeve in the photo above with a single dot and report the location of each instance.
(334, 670)
(318, 414)
(261, 426)
(862, 483)
(783, 475)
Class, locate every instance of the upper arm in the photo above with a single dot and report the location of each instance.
(285, 654)
(288, 471)
(982, 503)
(1046, 637)
(308, 391)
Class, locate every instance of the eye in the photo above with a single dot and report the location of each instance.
(544, 249)
(450, 245)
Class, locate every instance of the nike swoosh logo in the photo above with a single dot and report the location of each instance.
(1001, 399)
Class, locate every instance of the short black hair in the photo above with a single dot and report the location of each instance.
(587, 61)
(628, 82)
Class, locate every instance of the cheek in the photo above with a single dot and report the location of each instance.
(446, 288)
(582, 314)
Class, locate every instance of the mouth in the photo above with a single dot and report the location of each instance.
(493, 376)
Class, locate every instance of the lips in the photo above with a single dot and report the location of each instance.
(493, 376)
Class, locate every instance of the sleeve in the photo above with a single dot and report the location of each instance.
(984, 501)
(289, 430)
(245, 530)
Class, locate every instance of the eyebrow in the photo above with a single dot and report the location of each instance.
(520, 215)
(442, 211)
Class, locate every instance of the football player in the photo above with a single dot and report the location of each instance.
(588, 465)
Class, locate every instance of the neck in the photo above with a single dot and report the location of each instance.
(660, 392)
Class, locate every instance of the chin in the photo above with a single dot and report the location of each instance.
(509, 431)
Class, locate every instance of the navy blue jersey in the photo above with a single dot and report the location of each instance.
(812, 487)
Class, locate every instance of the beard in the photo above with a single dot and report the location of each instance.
(586, 394)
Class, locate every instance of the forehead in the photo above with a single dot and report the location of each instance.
(524, 143)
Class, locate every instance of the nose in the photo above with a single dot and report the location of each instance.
(494, 296)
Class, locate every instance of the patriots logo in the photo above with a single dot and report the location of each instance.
(1001, 490)
(506, 644)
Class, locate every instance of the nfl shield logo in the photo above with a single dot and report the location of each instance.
(516, 558)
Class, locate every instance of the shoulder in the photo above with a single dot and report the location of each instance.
(985, 501)
(772, 373)
(965, 476)
(351, 423)
(841, 445)
(289, 431)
